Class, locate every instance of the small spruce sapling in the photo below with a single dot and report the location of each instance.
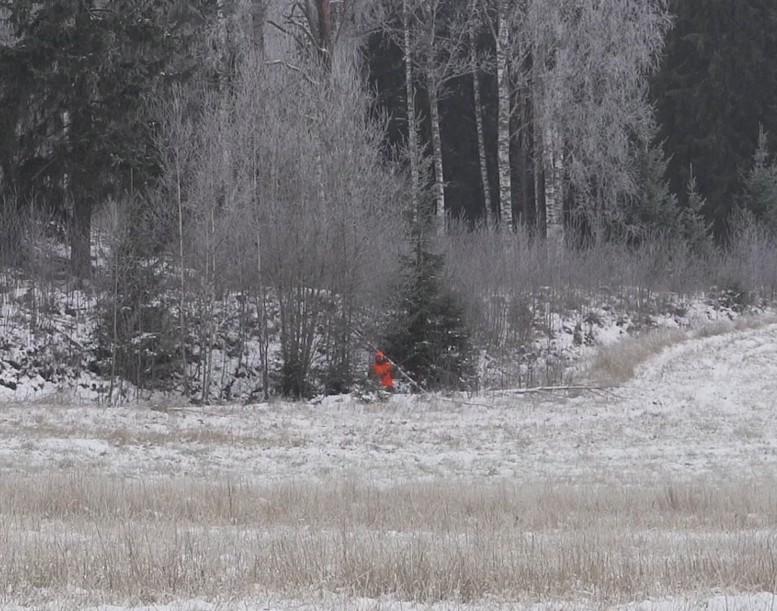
(427, 334)
(695, 229)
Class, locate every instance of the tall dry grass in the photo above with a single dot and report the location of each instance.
(616, 364)
(156, 539)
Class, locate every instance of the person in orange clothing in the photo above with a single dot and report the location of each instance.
(382, 369)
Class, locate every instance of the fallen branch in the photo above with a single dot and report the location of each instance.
(549, 389)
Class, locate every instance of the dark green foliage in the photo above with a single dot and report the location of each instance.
(76, 87)
(654, 208)
(336, 350)
(694, 228)
(293, 380)
(137, 330)
(760, 196)
(718, 82)
(427, 334)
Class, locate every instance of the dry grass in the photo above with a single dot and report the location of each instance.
(152, 540)
(616, 364)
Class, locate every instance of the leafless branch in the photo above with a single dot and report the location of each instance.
(281, 62)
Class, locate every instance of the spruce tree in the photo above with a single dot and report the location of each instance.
(79, 82)
(760, 192)
(718, 81)
(694, 227)
(427, 334)
(654, 208)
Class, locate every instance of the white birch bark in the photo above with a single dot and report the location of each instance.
(554, 193)
(553, 149)
(503, 140)
(479, 123)
(439, 181)
(412, 133)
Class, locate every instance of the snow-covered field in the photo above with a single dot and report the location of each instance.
(705, 406)
(700, 414)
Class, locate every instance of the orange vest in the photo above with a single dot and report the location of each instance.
(383, 371)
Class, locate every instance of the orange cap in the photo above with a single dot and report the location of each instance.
(379, 355)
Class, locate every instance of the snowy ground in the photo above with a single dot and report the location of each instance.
(703, 408)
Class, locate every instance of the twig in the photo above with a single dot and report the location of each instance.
(280, 62)
(73, 341)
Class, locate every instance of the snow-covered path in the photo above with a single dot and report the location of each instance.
(701, 407)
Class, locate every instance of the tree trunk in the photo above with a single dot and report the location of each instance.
(261, 310)
(81, 181)
(526, 146)
(439, 181)
(412, 133)
(487, 211)
(503, 79)
(258, 9)
(554, 196)
(325, 30)
(539, 182)
(553, 154)
(181, 278)
(80, 236)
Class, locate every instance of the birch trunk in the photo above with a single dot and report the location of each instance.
(487, 212)
(525, 164)
(553, 155)
(539, 180)
(554, 197)
(181, 278)
(502, 74)
(439, 181)
(412, 134)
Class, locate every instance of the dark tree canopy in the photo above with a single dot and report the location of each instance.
(76, 87)
(718, 83)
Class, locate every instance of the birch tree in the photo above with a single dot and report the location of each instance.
(474, 22)
(412, 129)
(435, 45)
(586, 64)
(500, 17)
(503, 139)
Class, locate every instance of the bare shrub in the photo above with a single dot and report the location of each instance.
(749, 269)
(308, 187)
(518, 290)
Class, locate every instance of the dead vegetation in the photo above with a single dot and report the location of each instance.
(616, 364)
(149, 540)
